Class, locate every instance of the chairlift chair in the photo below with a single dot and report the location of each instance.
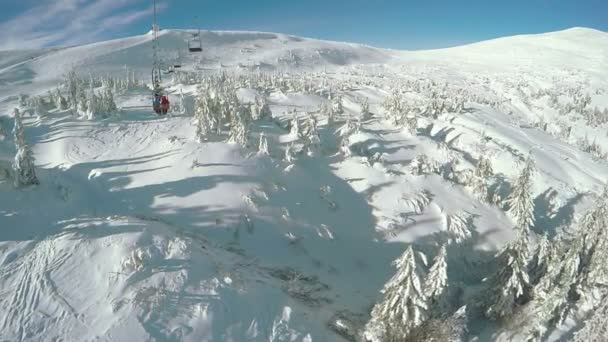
(195, 45)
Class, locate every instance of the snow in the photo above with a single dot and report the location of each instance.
(138, 232)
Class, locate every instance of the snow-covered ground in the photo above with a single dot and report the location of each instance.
(139, 232)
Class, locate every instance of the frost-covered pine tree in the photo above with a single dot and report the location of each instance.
(403, 306)
(295, 125)
(365, 112)
(72, 84)
(540, 259)
(181, 109)
(23, 167)
(290, 154)
(436, 281)
(313, 139)
(423, 165)
(239, 127)
(60, 101)
(38, 106)
(92, 104)
(510, 282)
(109, 104)
(202, 115)
(23, 100)
(260, 109)
(338, 106)
(82, 101)
(411, 124)
(479, 182)
(263, 145)
(520, 200)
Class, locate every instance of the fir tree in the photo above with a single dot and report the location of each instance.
(403, 306)
(263, 145)
(510, 282)
(92, 103)
(108, 104)
(365, 113)
(479, 182)
(239, 127)
(295, 125)
(541, 258)
(436, 281)
(520, 200)
(458, 227)
(23, 166)
(290, 154)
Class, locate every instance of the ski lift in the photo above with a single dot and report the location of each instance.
(160, 101)
(195, 44)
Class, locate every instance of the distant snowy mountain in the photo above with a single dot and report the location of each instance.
(223, 223)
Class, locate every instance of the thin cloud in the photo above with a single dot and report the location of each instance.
(59, 22)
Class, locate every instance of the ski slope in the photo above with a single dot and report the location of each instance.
(139, 232)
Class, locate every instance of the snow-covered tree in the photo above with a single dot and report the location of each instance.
(263, 145)
(23, 167)
(82, 101)
(436, 281)
(540, 258)
(327, 110)
(338, 106)
(290, 154)
(92, 104)
(450, 329)
(313, 139)
(418, 201)
(520, 200)
(206, 115)
(75, 92)
(423, 165)
(23, 100)
(295, 125)
(365, 113)
(181, 109)
(403, 306)
(60, 102)
(108, 105)
(458, 227)
(479, 181)
(411, 123)
(260, 109)
(38, 106)
(239, 127)
(510, 282)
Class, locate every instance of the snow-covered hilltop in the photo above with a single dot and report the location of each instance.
(305, 190)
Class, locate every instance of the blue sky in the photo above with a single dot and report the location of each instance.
(400, 24)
